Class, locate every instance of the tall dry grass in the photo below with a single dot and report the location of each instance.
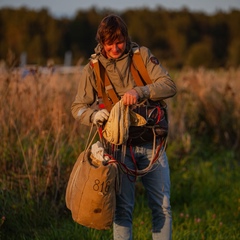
(37, 131)
(40, 140)
(207, 105)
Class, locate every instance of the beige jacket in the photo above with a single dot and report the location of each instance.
(122, 80)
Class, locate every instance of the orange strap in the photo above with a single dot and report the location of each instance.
(104, 86)
(109, 88)
(139, 65)
(136, 76)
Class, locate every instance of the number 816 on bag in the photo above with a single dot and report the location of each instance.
(102, 187)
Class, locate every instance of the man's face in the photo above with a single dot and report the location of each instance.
(115, 49)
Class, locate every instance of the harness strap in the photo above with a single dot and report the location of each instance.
(141, 77)
(140, 66)
(104, 86)
(136, 75)
(157, 152)
(109, 88)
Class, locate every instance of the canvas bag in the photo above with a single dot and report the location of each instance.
(91, 193)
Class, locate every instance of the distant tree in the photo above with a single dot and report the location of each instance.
(200, 55)
(234, 44)
(233, 20)
(221, 37)
(175, 37)
(36, 33)
(178, 27)
(147, 27)
(234, 54)
(82, 31)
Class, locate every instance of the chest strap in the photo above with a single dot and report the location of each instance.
(104, 86)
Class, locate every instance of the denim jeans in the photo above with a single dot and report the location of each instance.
(157, 185)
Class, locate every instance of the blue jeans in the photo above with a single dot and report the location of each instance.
(157, 185)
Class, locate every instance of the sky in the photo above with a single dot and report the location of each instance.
(68, 8)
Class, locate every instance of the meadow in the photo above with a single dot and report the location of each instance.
(40, 141)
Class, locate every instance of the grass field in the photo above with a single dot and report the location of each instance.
(40, 142)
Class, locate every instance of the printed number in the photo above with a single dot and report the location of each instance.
(101, 187)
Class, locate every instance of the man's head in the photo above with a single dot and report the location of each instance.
(112, 34)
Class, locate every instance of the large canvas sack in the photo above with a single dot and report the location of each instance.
(91, 193)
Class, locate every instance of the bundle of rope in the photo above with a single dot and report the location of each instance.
(116, 129)
(116, 132)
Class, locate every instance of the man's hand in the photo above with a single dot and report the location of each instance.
(130, 97)
(100, 117)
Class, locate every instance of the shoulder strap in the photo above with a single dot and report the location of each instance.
(104, 86)
(137, 78)
(140, 67)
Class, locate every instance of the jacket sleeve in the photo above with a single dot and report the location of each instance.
(163, 86)
(82, 108)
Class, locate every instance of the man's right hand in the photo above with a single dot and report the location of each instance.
(100, 117)
(130, 97)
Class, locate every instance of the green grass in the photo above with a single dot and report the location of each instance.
(40, 140)
(205, 197)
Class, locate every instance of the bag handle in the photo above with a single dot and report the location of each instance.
(90, 141)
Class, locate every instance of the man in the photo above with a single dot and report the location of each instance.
(114, 52)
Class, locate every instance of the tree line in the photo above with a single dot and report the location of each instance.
(177, 38)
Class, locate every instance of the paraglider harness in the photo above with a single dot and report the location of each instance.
(155, 113)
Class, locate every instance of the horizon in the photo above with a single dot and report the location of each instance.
(58, 8)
